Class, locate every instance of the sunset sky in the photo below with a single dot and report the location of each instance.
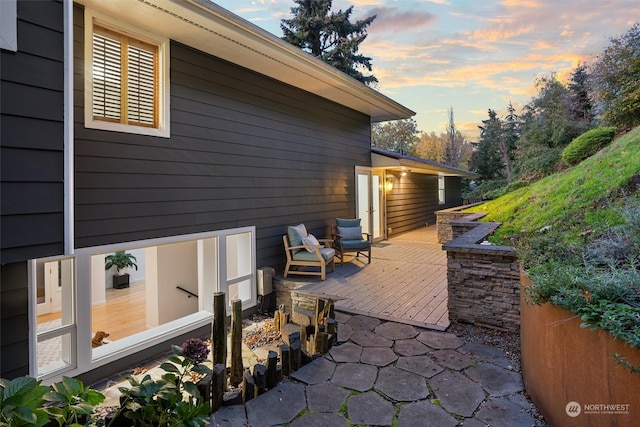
(467, 54)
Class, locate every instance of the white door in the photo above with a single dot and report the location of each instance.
(370, 201)
(52, 288)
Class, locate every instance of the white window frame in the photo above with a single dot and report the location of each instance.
(85, 357)
(442, 195)
(69, 329)
(9, 25)
(163, 128)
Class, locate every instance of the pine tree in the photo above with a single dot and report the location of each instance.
(454, 142)
(329, 36)
(509, 138)
(581, 106)
(489, 157)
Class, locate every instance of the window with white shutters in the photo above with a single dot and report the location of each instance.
(128, 84)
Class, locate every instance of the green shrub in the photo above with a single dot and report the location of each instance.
(534, 162)
(587, 144)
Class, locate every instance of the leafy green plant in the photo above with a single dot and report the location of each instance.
(587, 144)
(173, 399)
(578, 237)
(21, 402)
(120, 260)
(69, 401)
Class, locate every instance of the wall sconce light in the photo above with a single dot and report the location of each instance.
(389, 184)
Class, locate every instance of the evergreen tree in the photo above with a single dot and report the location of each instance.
(329, 36)
(489, 157)
(509, 139)
(581, 107)
(454, 142)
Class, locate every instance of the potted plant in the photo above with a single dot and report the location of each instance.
(120, 260)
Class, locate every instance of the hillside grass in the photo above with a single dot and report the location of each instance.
(577, 234)
(580, 200)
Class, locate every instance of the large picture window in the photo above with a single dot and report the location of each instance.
(168, 291)
(127, 88)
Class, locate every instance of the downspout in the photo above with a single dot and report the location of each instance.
(69, 229)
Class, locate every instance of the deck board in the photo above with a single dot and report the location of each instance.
(406, 281)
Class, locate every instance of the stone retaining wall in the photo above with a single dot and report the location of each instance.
(445, 216)
(483, 280)
(283, 289)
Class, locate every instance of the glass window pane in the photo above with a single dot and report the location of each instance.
(54, 353)
(239, 252)
(240, 290)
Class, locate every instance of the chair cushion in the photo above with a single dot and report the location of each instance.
(342, 222)
(311, 241)
(296, 234)
(327, 254)
(355, 244)
(350, 233)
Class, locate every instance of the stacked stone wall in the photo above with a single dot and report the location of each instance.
(484, 289)
(483, 280)
(446, 216)
(284, 289)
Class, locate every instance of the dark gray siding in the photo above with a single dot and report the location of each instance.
(31, 167)
(414, 200)
(14, 326)
(244, 150)
(31, 136)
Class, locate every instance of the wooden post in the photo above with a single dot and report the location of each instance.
(276, 321)
(272, 363)
(295, 356)
(218, 386)
(332, 330)
(303, 337)
(260, 376)
(285, 359)
(219, 329)
(321, 342)
(235, 376)
(284, 319)
(249, 390)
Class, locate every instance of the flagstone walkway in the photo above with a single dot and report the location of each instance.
(386, 371)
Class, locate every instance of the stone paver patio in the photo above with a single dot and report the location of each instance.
(386, 371)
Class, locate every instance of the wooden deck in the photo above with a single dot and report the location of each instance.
(406, 281)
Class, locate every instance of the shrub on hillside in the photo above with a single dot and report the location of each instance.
(534, 162)
(587, 144)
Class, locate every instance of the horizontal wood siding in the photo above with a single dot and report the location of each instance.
(32, 136)
(244, 150)
(14, 325)
(412, 202)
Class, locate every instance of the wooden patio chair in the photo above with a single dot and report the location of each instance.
(350, 238)
(304, 250)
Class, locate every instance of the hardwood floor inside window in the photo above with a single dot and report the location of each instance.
(123, 314)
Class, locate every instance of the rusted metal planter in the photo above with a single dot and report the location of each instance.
(570, 372)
